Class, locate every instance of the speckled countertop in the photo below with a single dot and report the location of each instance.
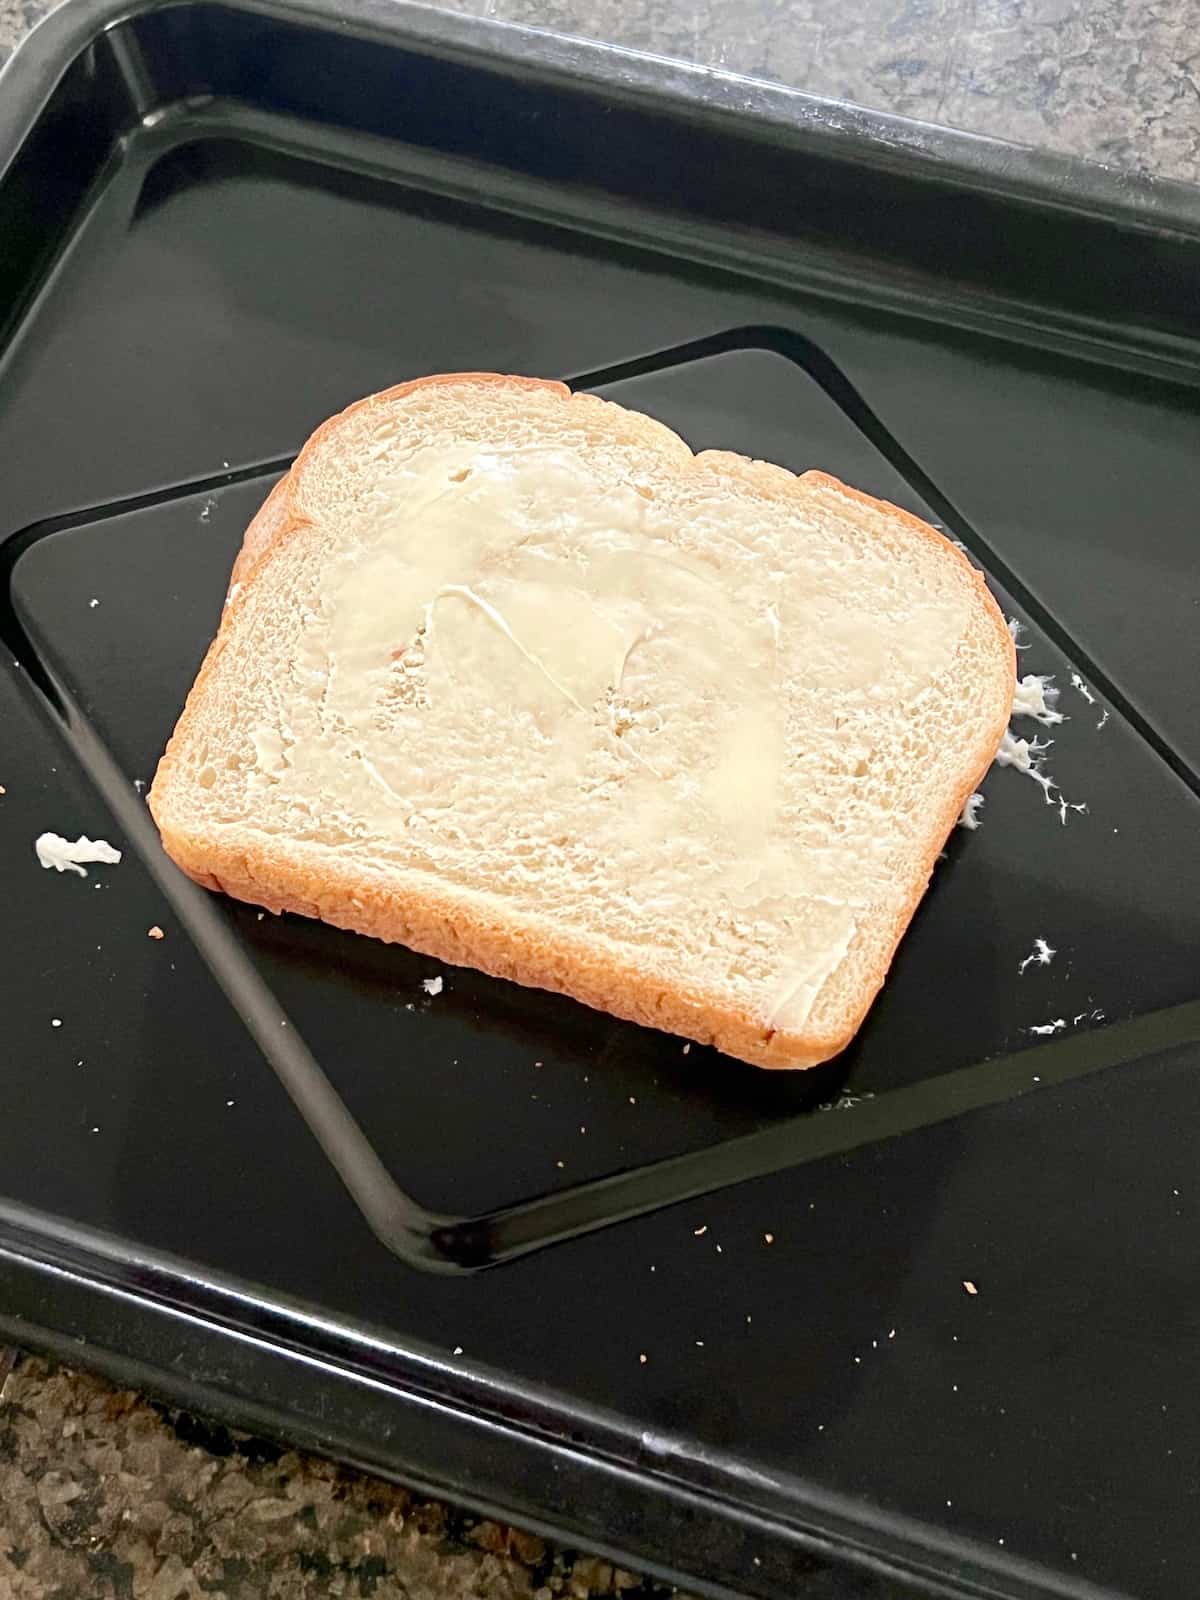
(106, 1496)
(1115, 80)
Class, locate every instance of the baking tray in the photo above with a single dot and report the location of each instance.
(438, 1238)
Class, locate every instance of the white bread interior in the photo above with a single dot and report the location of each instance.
(509, 676)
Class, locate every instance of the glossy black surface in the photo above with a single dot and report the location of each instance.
(832, 1396)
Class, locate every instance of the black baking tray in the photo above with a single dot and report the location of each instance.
(439, 1236)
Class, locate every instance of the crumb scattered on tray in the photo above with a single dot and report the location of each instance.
(846, 1102)
(643, 1358)
(769, 1238)
(93, 602)
(155, 932)
(1057, 1026)
(700, 1232)
(1035, 696)
(686, 1047)
(1078, 684)
(971, 1288)
(56, 1022)
(431, 986)
(969, 817)
(67, 855)
(1041, 955)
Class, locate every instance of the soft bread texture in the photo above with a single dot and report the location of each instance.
(508, 675)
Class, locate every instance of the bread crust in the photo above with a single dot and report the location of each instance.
(465, 928)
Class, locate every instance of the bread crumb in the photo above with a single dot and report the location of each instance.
(769, 1238)
(633, 1099)
(1042, 954)
(93, 602)
(969, 817)
(700, 1232)
(229, 1102)
(69, 855)
(56, 1022)
(260, 916)
(971, 1288)
(643, 1358)
(686, 1047)
(1078, 684)
(699, 1344)
(1036, 697)
(432, 986)
(560, 1163)
(155, 932)
(1026, 755)
(1056, 1026)
(3, 790)
(458, 1349)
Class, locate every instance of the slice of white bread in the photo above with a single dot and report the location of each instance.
(507, 675)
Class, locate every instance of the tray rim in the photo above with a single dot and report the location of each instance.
(73, 1268)
(819, 124)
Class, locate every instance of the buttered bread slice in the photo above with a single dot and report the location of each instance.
(508, 675)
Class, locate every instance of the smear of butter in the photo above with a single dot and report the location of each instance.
(552, 618)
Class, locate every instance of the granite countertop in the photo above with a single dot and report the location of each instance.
(1117, 81)
(105, 1495)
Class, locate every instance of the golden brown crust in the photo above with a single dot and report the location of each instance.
(464, 929)
(269, 521)
(277, 515)
(948, 818)
(451, 924)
